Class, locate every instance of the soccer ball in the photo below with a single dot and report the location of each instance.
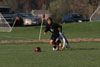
(37, 49)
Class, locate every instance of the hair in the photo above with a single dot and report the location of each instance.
(49, 18)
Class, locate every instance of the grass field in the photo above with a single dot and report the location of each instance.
(83, 54)
(22, 55)
(74, 30)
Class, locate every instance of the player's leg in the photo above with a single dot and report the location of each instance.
(66, 43)
(58, 43)
(55, 48)
(63, 39)
(52, 42)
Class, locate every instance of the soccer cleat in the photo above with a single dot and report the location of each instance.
(54, 49)
(63, 48)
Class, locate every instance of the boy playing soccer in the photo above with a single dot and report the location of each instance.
(54, 29)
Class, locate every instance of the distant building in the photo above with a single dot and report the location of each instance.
(40, 13)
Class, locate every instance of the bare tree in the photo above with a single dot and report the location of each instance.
(21, 5)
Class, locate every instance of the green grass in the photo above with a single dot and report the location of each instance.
(82, 30)
(22, 55)
(73, 30)
(83, 54)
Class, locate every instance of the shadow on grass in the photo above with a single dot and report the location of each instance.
(85, 49)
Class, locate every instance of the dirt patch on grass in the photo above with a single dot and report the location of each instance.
(47, 40)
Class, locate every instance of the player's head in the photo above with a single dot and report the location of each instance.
(49, 20)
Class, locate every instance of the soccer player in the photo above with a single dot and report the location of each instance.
(54, 28)
(65, 41)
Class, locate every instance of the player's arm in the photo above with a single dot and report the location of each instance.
(46, 29)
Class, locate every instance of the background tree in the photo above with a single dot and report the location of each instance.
(21, 5)
(40, 3)
(93, 4)
(59, 8)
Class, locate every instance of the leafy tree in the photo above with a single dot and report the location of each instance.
(59, 8)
